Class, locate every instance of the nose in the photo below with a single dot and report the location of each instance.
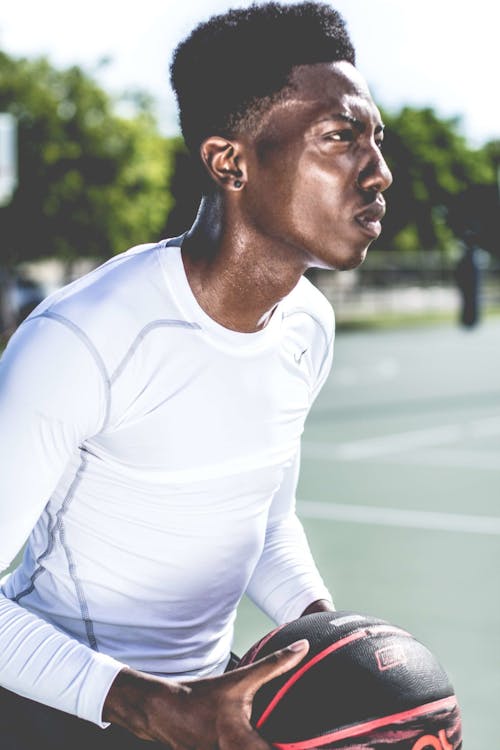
(376, 175)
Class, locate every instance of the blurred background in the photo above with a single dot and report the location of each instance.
(400, 484)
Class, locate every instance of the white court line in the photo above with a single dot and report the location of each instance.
(403, 441)
(408, 519)
(452, 458)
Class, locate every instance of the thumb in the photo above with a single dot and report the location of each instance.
(257, 674)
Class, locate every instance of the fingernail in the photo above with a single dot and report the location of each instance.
(298, 645)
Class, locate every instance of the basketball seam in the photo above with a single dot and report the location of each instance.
(357, 635)
(250, 657)
(356, 730)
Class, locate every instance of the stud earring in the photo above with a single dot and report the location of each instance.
(237, 183)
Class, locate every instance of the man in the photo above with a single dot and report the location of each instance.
(151, 412)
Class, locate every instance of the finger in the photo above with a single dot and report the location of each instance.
(256, 674)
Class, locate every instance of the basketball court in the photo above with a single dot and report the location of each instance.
(400, 497)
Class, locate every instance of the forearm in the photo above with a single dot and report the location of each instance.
(40, 662)
(286, 580)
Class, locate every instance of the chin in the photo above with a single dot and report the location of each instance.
(346, 261)
(353, 262)
(344, 256)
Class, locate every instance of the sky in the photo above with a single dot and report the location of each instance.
(426, 53)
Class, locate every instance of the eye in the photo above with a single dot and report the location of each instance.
(379, 142)
(340, 136)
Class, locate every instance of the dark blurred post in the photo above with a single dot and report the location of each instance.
(468, 277)
(8, 183)
(4, 312)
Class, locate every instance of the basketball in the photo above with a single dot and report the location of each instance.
(364, 685)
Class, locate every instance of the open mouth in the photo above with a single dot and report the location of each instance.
(369, 219)
(371, 227)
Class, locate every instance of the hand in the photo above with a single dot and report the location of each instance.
(205, 714)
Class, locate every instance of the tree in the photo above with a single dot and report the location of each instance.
(432, 166)
(90, 183)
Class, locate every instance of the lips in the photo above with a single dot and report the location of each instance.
(369, 218)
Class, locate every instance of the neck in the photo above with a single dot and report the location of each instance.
(237, 275)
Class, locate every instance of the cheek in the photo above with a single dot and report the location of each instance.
(317, 195)
(293, 194)
(271, 192)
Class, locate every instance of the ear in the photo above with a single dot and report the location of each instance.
(225, 162)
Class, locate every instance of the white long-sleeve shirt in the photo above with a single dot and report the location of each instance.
(150, 457)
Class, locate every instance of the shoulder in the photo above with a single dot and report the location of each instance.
(308, 306)
(309, 320)
(109, 307)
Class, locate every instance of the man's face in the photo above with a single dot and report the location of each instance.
(315, 170)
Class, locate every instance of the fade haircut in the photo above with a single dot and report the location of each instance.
(232, 68)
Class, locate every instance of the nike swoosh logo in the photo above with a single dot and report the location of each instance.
(298, 358)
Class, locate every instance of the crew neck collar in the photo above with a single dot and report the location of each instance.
(177, 280)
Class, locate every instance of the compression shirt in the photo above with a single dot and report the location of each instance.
(150, 456)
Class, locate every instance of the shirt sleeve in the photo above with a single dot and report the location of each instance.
(286, 579)
(53, 395)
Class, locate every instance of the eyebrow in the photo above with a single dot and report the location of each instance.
(358, 124)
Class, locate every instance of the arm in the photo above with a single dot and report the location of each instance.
(52, 396)
(286, 582)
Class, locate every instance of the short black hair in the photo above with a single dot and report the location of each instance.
(239, 62)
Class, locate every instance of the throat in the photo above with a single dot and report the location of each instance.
(231, 300)
(237, 276)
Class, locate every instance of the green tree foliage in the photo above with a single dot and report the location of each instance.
(90, 183)
(435, 172)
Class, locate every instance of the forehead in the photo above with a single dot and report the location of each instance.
(322, 90)
(328, 84)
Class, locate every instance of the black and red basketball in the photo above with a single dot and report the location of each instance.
(364, 685)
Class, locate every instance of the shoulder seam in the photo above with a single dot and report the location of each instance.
(91, 348)
(167, 323)
(305, 311)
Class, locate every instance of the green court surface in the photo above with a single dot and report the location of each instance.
(400, 497)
